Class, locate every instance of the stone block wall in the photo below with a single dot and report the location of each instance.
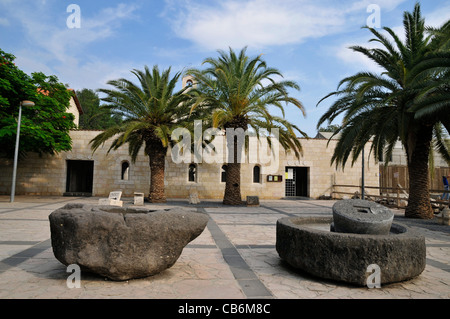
(47, 175)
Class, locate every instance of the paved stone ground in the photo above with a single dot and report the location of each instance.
(234, 258)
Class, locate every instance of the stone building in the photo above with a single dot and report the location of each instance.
(75, 107)
(81, 172)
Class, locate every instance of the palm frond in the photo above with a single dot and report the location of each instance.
(412, 92)
(151, 108)
(238, 90)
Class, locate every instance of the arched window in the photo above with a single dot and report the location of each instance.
(223, 173)
(257, 174)
(189, 83)
(125, 172)
(192, 173)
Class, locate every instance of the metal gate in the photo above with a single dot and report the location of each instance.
(290, 182)
(296, 181)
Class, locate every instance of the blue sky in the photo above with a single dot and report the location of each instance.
(307, 40)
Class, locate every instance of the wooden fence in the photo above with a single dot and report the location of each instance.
(389, 196)
(393, 176)
(393, 189)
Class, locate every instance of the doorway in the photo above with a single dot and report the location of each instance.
(80, 178)
(296, 181)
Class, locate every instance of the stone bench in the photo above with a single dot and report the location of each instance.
(193, 197)
(112, 200)
(139, 199)
(252, 201)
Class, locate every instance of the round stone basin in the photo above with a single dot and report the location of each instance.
(307, 243)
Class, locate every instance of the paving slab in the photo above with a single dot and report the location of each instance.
(234, 258)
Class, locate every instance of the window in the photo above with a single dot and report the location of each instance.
(192, 173)
(189, 83)
(124, 175)
(256, 174)
(223, 173)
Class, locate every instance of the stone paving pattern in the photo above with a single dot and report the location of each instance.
(234, 258)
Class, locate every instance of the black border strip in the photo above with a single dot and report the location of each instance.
(247, 279)
(20, 257)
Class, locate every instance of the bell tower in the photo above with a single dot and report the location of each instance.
(188, 80)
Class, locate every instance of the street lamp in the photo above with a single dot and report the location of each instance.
(363, 192)
(16, 151)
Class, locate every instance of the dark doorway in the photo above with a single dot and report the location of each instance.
(80, 177)
(296, 181)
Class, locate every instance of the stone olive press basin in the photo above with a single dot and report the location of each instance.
(301, 242)
(122, 243)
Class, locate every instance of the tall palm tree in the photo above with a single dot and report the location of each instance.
(407, 102)
(151, 110)
(238, 91)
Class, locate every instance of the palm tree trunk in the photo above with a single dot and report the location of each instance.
(232, 194)
(419, 203)
(157, 159)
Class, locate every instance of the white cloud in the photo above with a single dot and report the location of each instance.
(63, 42)
(256, 23)
(60, 50)
(385, 5)
(358, 61)
(94, 73)
(261, 23)
(438, 17)
(32, 61)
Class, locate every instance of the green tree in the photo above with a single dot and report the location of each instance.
(94, 117)
(44, 127)
(409, 102)
(151, 110)
(238, 91)
(330, 128)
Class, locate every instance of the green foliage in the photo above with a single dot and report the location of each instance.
(411, 94)
(330, 128)
(45, 126)
(94, 117)
(238, 91)
(151, 110)
(408, 102)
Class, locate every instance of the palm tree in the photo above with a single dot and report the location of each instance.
(433, 102)
(407, 102)
(150, 110)
(238, 91)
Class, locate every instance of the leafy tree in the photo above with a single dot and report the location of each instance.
(330, 128)
(94, 116)
(44, 127)
(238, 91)
(409, 102)
(151, 110)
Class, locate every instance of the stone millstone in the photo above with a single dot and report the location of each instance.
(122, 243)
(359, 216)
(401, 255)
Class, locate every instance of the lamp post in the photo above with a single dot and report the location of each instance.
(16, 150)
(363, 195)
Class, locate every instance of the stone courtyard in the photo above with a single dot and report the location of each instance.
(234, 258)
